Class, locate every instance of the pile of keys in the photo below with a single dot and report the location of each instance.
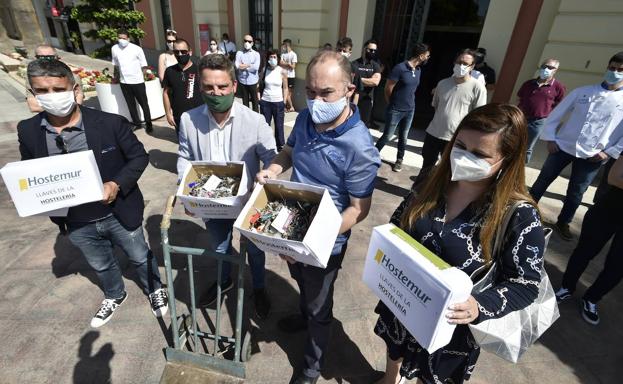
(212, 186)
(288, 219)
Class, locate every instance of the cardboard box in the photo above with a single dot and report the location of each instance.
(316, 247)
(214, 208)
(415, 284)
(51, 183)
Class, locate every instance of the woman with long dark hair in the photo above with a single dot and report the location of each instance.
(167, 58)
(455, 212)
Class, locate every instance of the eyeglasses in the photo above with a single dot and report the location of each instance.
(61, 144)
(180, 52)
(370, 50)
(249, 41)
(170, 41)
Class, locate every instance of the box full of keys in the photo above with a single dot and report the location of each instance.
(214, 190)
(291, 219)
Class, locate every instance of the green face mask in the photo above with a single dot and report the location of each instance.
(218, 104)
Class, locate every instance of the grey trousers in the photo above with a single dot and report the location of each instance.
(316, 305)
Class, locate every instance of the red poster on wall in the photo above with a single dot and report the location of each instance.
(204, 38)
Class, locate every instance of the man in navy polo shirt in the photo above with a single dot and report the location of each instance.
(400, 97)
(329, 147)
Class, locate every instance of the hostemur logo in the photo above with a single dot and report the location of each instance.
(386, 263)
(35, 181)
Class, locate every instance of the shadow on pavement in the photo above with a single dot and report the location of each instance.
(166, 161)
(382, 184)
(93, 368)
(165, 133)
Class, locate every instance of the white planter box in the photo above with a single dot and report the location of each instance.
(209, 208)
(51, 183)
(111, 99)
(316, 247)
(415, 284)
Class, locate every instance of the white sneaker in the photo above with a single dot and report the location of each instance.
(159, 302)
(562, 294)
(108, 307)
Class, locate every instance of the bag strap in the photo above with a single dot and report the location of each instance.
(500, 235)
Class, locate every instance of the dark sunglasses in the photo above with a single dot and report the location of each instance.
(61, 144)
(370, 50)
(249, 41)
(180, 51)
(171, 41)
(46, 57)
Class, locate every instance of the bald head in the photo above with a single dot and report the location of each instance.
(45, 50)
(333, 62)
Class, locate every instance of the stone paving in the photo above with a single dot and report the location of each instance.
(48, 295)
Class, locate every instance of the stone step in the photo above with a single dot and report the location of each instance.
(9, 63)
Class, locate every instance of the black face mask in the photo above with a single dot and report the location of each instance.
(183, 59)
(370, 55)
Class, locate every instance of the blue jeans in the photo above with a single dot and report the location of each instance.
(535, 126)
(583, 172)
(393, 119)
(96, 241)
(219, 236)
(275, 111)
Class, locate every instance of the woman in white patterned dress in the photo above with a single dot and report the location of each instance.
(455, 213)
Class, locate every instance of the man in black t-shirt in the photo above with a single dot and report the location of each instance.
(181, 84)
(367, 77)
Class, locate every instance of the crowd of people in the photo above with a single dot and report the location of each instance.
(474, 169)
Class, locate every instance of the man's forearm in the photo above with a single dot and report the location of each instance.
(350, 217)
(166, 101)
(282, 162)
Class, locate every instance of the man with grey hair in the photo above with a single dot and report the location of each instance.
(223, 130)
(329, 147)
(537, 98)
(95, 228)
(48, 52)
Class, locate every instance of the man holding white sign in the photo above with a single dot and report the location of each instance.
(95, 227)
(225, 131)
(329, 147)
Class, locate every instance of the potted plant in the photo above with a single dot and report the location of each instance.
(111, 98)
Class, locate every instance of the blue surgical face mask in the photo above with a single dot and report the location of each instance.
(545, 73)
(272, 62)
(613, 77)
(323, 112)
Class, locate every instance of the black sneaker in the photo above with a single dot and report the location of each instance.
(397, 166)
(562, 294)
(210, 296)
(261, 303)
(106, 310)
(159, 302)
(563, 230)
(589, 312)
(149, 128)
(292, 323)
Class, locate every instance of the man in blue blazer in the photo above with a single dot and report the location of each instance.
(65, 127)
(223, 130)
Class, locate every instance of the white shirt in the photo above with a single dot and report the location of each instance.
(273, 85)
(290, 58)
(130, 61)
(595, 122)
(218, 138)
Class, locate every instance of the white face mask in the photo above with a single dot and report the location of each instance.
(247, 45)
(213, 47)
(460, 70)
(345, 54)
(123, 43)
(58, 104)
(467, 166)
(323, 112)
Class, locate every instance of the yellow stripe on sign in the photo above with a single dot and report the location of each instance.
(23, 184)
(378, 257)
(436, 260)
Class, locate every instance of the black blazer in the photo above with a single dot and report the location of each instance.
(120, 157)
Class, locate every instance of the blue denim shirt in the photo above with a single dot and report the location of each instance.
(248, 76)
(342, 160)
